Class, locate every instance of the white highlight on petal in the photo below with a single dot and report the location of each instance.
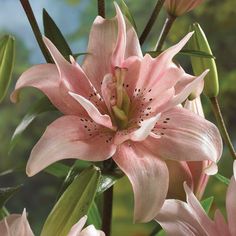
(76, 229)
(145, 129)
(93, 112)
(212, 169)
(234, 169)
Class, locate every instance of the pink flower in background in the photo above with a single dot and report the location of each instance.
(77, 229)
(180, 7)
(15, 225)
(122, 105)
(181, 218)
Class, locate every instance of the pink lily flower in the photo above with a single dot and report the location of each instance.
(122, 105)
(180, 7)
(16, 225)
(181, 218)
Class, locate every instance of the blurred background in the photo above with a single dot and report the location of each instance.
(74, 18)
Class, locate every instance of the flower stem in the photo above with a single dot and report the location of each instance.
(165, 30)
(151, 21)
(107, 211)
(101, 8)
(221, 125)
(30, 15)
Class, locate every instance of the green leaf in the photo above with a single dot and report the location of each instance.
(58, 170)
(94, 216)
(7, 193)
(206, 204)
(73, 204)
(7, 58)
(127, 13)
(107, 180)
(222, 179)
(3, 213)
(52, 32)
(41, 106)
(186, 52)
(161, 233)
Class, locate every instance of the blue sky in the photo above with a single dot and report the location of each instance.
(13, 20)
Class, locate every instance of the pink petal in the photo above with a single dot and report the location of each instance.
(148, 176)
(108, 46)
(195, 106)
(183, 132)
(231, 206)
(220, 224)
(201, 216)
(46, 78)
(76, 229)
(177, 218)
(93, 112)
(179, 173)
(71, 137)
(91, 231)
(234, 170)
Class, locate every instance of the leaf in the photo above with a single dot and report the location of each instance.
(75, 55)
(73, 204)
(52, 32)
(186, 52)
(222, 179)
(3, 213)
(7, 58)
(58, 170)
(107, 180)
(206, 204)
(128, 14)
(94, 216)
(7, 193)
(41, 106)
(161, 233)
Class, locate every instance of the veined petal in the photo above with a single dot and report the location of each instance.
(144, 171)
(177, 218)
(93, 112)
(110, 42)
(231, 206)
(46, 78)
(185, 136)
(201, 216)
(71, 137)
(220, 224)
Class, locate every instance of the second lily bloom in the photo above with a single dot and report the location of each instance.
(120, 104)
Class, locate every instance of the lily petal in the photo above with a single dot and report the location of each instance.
(234, 170)
(144, 172)
(91, 231)
(46, 78)
(185, 136)
(201, 216)
(220, 224)
(71, 137)
(93, 112)
(231, 206)
(76, 229)
(177, 218)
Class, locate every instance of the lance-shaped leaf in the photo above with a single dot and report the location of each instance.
(41, 106)
(73, 204)
(7, 57)
(7, 193)
(199, 42)
(94, 217)
(222, 179)
(207, 203)
(58, 170)
(52, 32)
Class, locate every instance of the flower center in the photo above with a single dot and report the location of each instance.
(122, 104)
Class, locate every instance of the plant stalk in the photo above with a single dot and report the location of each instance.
(151, 21)
(101, 8)
(30, 15)
(221, 125)
(165, 30)
(107, 211)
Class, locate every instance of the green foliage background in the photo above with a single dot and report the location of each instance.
(216, 17)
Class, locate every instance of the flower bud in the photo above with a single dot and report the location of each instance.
(180, 7)
(199, 42)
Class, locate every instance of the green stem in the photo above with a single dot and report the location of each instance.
(30, 15)
(221, 125)
(165, 30)
(151, 21)
(107, 211)
(101, 8)
(156, 229)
